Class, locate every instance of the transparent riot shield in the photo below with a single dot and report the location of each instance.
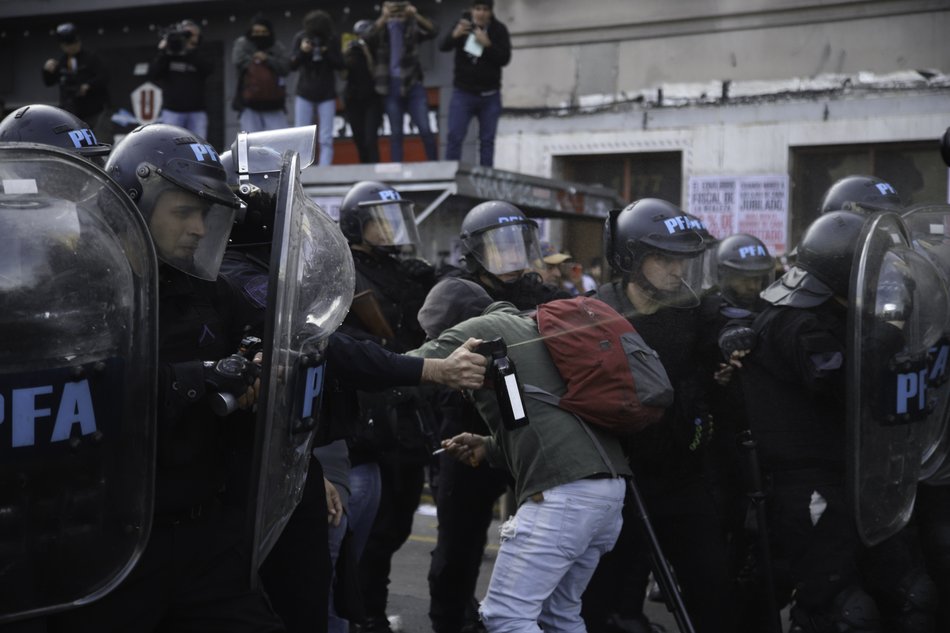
(930, 231)
(309, 293)
(898, 312)
(77, 382)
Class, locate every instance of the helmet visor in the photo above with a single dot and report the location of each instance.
(673, 278)
(190, 232)
(741, 288)
(389, 224)
(507, 248)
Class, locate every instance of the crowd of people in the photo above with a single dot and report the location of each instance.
(744, 477)
(379, 69)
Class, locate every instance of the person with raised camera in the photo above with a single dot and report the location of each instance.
(193, 574)
(317, 55)
(82, 77)
(181, 68)
(482, 47)
(364, 107)
(394, 40)
(262, 63)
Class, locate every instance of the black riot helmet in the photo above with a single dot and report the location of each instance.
(744, 268)
(180, 187)
(253, 165)
(825, 258)
(654, 227)
(497, 238)
(646, 226)
(54, 126)
(706, 263)
(864, 194)
(374, 213)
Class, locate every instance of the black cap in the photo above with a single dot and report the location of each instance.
(67, 33)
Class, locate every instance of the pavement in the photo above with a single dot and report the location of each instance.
(409, 589)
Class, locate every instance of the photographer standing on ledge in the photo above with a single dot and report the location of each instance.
(82, 78)
(482, 47)
(180, 68)
(317, 54)
(394, 40)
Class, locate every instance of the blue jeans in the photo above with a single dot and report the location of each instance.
(548, 553)
(196, 122)
(364, 501)
(261, 120)
(465, 106)
(304, 114)
(418, 108)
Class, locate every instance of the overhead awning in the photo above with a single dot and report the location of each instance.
(453, 186)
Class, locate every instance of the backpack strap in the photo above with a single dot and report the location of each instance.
(539, 394)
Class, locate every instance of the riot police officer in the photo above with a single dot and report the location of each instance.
(657, 250)
(795, 383)
(391, 286)
(297, 573)
(194, 571)
(499, 246)
(743, 267)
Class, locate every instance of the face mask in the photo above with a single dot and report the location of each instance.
(262, 41)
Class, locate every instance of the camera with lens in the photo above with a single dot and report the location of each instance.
(502, 375)
(176, 39)
(397, 9)
(230, 377)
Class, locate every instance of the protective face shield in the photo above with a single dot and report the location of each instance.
(374, 214)
(707, 262)
(77, 381)
(389, 224)
(506, 248)
(498, 240)
(898, 311)
(190, 232)
(180, 187)
(744, 269)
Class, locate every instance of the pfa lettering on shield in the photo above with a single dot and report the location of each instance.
(50, 407)
(905, 393)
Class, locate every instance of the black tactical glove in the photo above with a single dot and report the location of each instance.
(735, 339)
(418, 269)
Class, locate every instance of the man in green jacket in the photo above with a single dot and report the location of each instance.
(568, 478)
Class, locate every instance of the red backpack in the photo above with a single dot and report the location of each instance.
(260, 85)
(614, 380)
